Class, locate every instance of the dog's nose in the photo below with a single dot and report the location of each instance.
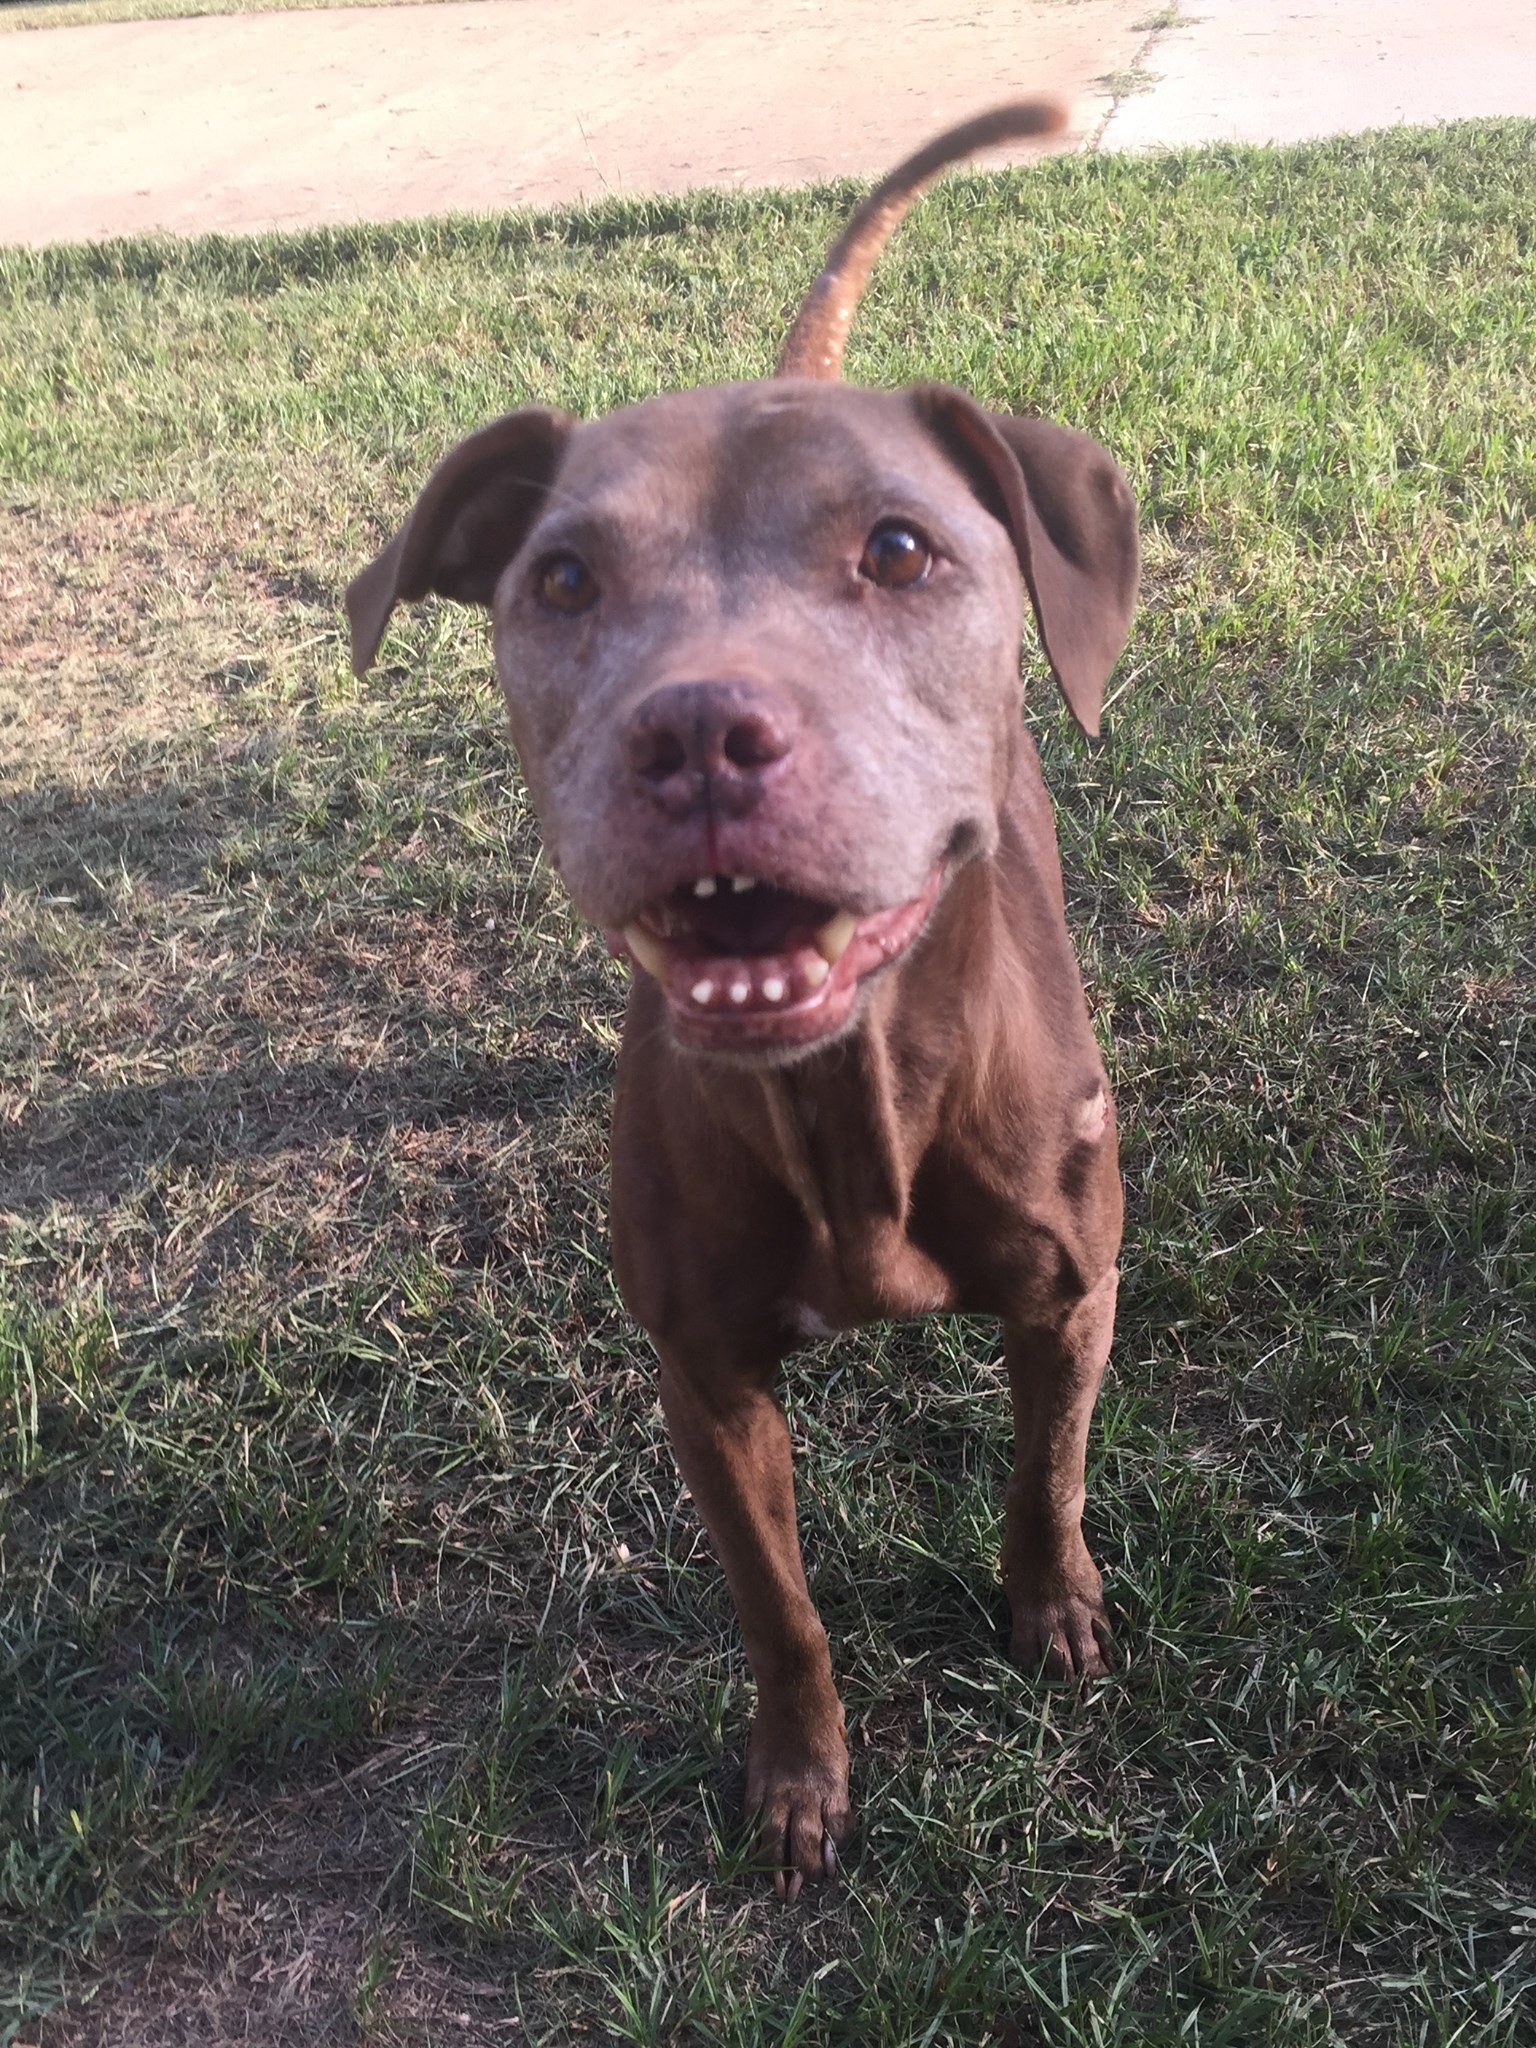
(695, 744)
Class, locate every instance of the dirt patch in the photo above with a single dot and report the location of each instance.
(120, 624)
(291, 1972)
(283, 1974)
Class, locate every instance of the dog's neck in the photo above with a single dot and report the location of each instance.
(965, 1067)
(846, 1131)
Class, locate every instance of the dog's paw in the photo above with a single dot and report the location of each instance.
(1060, 1626)
(797, 1794)
(1063, 1639)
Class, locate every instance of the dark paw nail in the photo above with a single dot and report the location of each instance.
(828, 1856)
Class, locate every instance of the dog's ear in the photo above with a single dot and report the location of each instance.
(1073, 522)
(465, 527)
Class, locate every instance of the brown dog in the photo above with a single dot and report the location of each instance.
(760, 647)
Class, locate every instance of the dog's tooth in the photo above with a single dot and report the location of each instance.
(832, 939)
(703, 992)
(773, 989)
(815, 971)
(650, 951)
(740, 884)
(704, 886)
(740, 990)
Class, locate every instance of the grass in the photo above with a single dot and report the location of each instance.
(19, 14)
(1124, 85)
(366, 1675)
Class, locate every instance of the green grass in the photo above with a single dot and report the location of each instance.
(366, 1674)
(19, 14)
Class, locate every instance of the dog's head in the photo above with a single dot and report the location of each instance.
(760, 649)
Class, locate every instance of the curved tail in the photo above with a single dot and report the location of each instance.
(814, 346)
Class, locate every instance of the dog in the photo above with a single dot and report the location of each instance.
(760, 645)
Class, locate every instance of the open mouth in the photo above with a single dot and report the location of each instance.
(745, 964)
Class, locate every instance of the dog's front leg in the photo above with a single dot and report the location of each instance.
(732, 1445)
(1054, 1589)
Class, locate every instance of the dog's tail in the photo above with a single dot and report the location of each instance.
(815, 344)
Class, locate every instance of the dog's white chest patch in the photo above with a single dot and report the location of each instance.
(806, 1321)
(1093, 1116)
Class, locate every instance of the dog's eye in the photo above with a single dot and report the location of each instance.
(894, 556)
(567, 585)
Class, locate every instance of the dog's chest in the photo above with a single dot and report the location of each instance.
(905, 1216)
(849, 1162)
(878, 1276)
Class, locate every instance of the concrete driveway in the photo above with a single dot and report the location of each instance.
(242, 122)
(245, 122)
(1286, 70)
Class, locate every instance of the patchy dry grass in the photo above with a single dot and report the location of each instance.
(90, 610)
(366, 1677)
(84, 13)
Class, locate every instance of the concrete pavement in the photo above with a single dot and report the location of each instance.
(272, 120)
(243, 122)
(1286, 70)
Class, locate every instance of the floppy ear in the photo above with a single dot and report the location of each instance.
(1073, 522)
(465, 527)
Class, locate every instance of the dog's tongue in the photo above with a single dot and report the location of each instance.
(784, 957)
(744, 918)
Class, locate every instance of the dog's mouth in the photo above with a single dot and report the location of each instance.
(746, 965)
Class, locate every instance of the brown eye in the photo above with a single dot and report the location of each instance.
(895, 557)
(567, 585)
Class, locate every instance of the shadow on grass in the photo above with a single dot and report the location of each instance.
(101, 1146)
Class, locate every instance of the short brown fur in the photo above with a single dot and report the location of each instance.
(947, 1141)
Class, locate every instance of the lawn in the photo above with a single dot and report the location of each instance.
(366, 1676)
(83, 13)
